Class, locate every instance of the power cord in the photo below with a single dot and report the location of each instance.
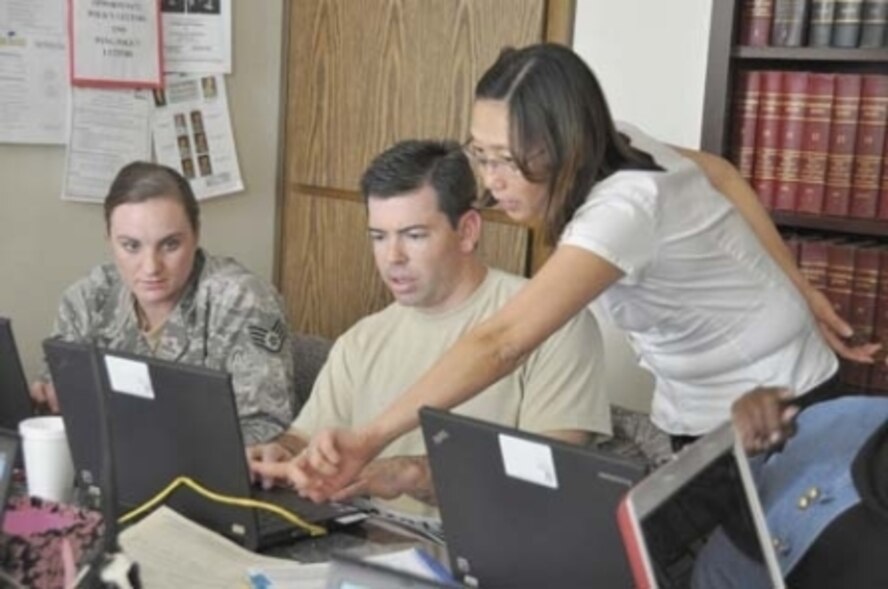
(291, 517)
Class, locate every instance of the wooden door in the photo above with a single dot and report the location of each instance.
(361, 75)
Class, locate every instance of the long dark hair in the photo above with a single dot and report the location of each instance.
(558, 119)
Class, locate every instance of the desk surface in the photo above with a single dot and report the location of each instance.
(373, 536)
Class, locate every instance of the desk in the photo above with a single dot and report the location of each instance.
(36, 560)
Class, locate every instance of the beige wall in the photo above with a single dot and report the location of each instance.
(650, 57)
(45, 243)
(638, 48)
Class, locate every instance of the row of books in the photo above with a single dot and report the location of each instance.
(814, 23)
(813, 142)
(854, 277)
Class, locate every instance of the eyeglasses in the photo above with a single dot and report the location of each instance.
(490, 164)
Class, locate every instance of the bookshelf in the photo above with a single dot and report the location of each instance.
(844, 254)
(726, 56)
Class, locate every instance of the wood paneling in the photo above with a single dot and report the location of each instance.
(328, 278)
(504, 244)
(361, 75)
(367, 73)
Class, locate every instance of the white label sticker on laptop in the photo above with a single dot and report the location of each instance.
(528, 461)
(130, 377)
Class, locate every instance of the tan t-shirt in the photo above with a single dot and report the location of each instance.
(560, 387)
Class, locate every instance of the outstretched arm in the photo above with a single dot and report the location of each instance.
(389, 478)
(725, 178)
(566, 283)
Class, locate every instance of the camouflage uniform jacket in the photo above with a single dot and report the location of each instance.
(227, 319)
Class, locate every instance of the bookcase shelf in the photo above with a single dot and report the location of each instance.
(846, 257)
(726, 57)
(840, 225)
(813, 54)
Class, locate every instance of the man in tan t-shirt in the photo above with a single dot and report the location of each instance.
(425, 232)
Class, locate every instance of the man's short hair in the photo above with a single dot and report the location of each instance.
(409, 165)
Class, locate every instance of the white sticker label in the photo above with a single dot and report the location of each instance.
(129, 377)
(528, 461)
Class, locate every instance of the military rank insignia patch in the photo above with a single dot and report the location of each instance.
(269, 339)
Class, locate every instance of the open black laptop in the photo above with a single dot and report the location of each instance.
(522, 510)
(169, 420)
(15, 401)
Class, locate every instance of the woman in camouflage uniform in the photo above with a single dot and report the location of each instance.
(165, 297)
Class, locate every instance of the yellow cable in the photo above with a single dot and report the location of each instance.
(227, 499)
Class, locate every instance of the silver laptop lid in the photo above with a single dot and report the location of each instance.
(700, 507)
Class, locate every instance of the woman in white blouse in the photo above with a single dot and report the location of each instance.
(674, 245)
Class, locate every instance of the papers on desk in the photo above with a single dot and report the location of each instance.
(292, 575)
(173, 551)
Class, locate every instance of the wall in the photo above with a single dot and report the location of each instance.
(650, 57)
(46, 243)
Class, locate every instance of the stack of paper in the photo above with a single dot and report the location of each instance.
(173, 551)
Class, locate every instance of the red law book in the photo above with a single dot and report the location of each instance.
(878, 378)
(863, 308)
(815, 143)
(792, 132)
(746, 105)
(755, 22)
(867, 168)
(812, 262)
(767, 138)
(843, 137)
(839, 277)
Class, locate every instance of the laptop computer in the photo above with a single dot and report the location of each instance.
(699, 510)
(15, 400)
(522, 510)
(9, 443)
(169, 420)
(348, 572)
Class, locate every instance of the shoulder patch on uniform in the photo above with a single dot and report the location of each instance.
(268, 339)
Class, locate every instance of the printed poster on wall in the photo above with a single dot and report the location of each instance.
(192, 133)
(196, 36)
(115, 43)
(34, 91)
(109, 129)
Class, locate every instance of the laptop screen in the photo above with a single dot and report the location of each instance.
(696, 515)
(679, 529)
